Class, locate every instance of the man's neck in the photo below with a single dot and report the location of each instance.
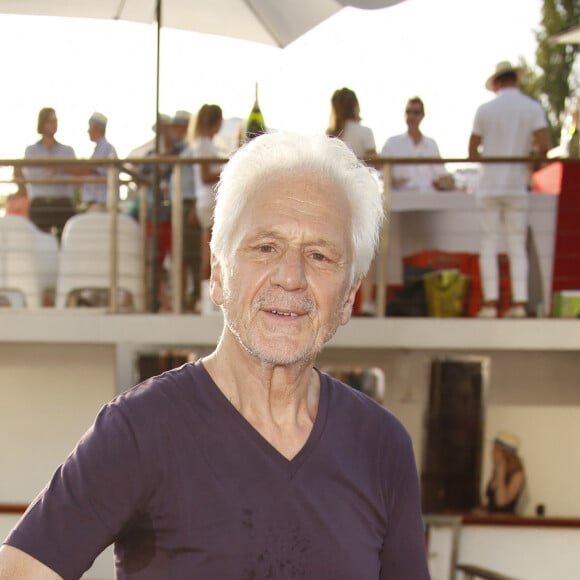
(280, 402)
(415, 135)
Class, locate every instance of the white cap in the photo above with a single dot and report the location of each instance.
(98, 119)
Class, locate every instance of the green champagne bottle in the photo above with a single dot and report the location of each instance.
(255, 124)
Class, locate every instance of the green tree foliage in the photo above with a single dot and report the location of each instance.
(556, 81)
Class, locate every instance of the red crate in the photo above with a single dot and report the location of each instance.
(468, 264)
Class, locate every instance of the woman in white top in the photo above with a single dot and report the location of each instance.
(207, 124)
(345, 124)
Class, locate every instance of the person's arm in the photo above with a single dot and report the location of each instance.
(91, 498)
(474, 144)
(18, 565)
(370, 146)
(208, 176)
(506, 492)
(542, 141)
(541, 144)
(442, 180)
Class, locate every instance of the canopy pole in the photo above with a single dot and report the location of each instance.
(156, 201)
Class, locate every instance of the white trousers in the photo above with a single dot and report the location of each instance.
(511, 212)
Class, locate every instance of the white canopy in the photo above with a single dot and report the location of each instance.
(274, 22)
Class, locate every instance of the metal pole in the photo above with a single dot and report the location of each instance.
(112, 186)
(156, 202)
(382, 259)
(144, 245)
(177, 241)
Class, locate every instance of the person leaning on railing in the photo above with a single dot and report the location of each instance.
(94, 195)
(413, 144)
(51, 204)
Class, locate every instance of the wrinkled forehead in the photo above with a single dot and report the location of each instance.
(304, 196)
(299, 189)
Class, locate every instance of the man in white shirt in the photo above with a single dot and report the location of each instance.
(95, 194)
(510, 125)
(416, 177)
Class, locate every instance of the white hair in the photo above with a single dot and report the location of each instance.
(283, 152)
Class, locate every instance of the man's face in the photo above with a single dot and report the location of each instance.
(286, 287)
(179, 131)
(413, 115)
(95, 132)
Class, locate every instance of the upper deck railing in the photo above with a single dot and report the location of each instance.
(126, 168)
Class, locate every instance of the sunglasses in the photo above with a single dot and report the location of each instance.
(413, 112)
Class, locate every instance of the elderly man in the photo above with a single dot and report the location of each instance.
(250, 463)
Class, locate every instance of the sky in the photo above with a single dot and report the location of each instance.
(441, 50)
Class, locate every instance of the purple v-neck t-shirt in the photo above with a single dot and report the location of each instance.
(186, 488)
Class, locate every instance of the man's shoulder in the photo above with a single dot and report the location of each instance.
(357, 405)
(400, 138)
(395, 141)
(170, 386)
(104, 148)
(490, 104)
(430, 142)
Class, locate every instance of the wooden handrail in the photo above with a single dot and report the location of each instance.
(472, 572)
(177, 160)
(13, 508)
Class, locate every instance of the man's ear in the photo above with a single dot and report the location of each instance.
(346, 310)
(216, 281)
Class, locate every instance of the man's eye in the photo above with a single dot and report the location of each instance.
(265, 248)
(319, 257)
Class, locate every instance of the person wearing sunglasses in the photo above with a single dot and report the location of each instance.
(413, 144)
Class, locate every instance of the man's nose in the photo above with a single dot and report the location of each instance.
(290, 270)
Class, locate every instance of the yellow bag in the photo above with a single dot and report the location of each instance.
(446, 291)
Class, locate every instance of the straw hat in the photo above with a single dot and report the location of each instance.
(508, 441)
(501, 68)
(181, 118)
(163, 120)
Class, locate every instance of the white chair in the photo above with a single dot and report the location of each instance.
(28, 262)
(84, 263)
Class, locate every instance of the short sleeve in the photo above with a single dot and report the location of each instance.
(540, 120)
(404, 554)
(89, 500)
(476, 128)
(369, 140)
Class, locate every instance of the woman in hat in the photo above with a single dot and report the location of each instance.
(508, 477)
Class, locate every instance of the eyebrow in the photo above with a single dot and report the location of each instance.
(273, 234)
